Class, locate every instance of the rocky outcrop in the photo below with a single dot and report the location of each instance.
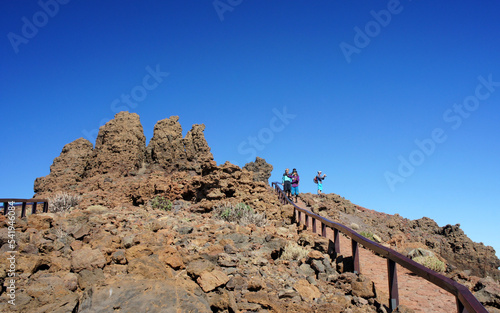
(170, 151)
(120, 146)
(464, 254)
(261, 170)
(196, 146)
(68, 169)
(120, 155)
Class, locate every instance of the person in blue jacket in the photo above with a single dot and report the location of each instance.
(319, 180)
(287, 183)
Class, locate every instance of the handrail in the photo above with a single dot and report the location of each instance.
(10, 202)
(466, 302)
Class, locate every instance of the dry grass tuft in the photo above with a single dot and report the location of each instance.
(63, 202)
(293, 251)
(240, 213)
(431, 262)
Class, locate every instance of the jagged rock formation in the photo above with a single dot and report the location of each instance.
(260, 168)
(120, 151)
(171, 152)
(196, 146)
(122, 171)
(68, 169)
(120, 146)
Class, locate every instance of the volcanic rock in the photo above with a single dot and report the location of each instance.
(171, 152)
(196, 146)
(68, 168)
(261, 170)
(174, 295)
(120, 146)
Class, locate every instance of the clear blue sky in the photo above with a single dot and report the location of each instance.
(397, 101)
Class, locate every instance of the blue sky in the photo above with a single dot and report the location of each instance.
(396, 101)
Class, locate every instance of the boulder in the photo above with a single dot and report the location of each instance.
(208, 281)
(307, 291)
(87, 258)
(169, 295)
(260, 168)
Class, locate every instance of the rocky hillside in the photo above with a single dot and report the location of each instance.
(448, 242)
(138, 259)
(119, 251)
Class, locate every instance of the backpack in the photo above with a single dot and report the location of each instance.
(315, 179)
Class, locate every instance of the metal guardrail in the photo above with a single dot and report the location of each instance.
(8, 203)
(466, 302)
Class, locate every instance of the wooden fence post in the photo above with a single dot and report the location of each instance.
(23, 210)
(336, 240)
(460, 307)
(355, 256)
(393, 285)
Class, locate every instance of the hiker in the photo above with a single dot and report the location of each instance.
(287, 183)
(295, 184)
(319, 180)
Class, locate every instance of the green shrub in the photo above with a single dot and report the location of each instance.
(161, 203)
(62, 202)
(431, 262)
(293, 251)
(367, 235)
(240, 213)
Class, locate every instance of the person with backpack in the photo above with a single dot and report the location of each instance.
(295, 184)
(319, 180)
(287, 183)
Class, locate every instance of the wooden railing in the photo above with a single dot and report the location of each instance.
(466, 302)
(12, 203)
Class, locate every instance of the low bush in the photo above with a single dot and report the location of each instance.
(240, 213)
(161, 203)
(367, 235)
(62, 202)
(293, 251)
(431, 262)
